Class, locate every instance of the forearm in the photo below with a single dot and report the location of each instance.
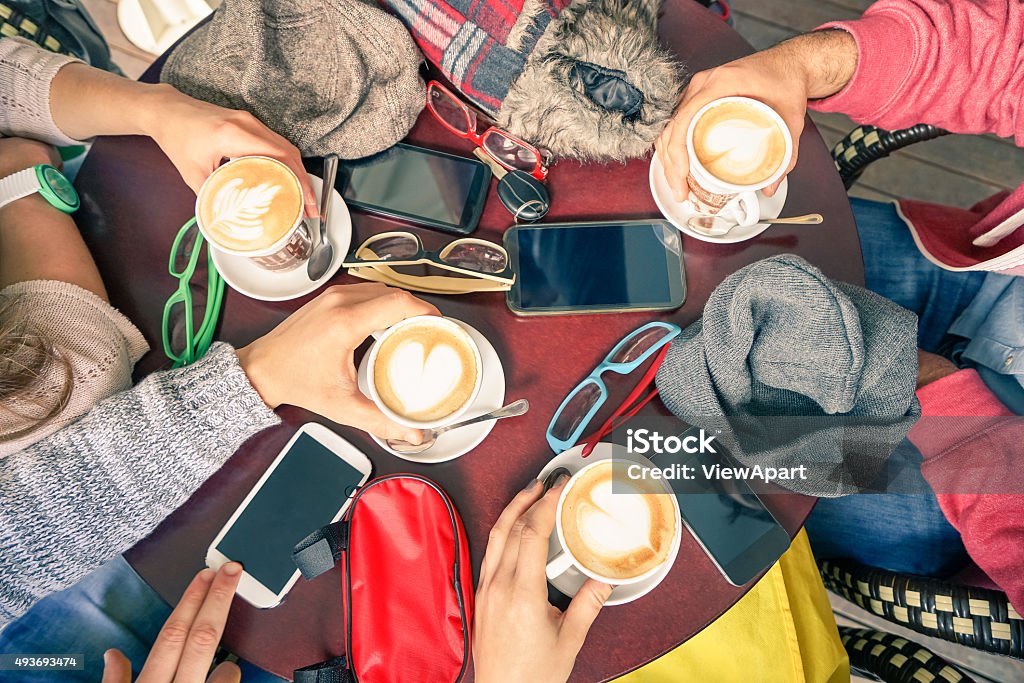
(86, 102)
(825, 59)
(38, 242)
(94, 489)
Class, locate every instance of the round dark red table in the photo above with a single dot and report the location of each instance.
(134, 202)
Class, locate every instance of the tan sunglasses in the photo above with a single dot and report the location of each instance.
(486, 264)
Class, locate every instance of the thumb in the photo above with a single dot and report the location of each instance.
(362, 413)
(116, 667)
(583, 610)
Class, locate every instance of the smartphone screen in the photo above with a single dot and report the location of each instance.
(303, 493)
(729, 521)
(599, 266)
(440, 190)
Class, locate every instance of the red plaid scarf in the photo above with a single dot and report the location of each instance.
(480, 45)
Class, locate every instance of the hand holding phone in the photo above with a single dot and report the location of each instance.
(309, 485)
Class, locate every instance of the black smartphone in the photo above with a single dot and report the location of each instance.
(729, 521)
(602, 267)
(420, 186)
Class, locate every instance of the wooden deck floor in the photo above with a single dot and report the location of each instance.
(957, 170)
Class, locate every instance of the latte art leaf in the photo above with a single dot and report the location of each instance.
(239, 211)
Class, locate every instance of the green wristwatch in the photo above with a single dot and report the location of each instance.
(44, 179)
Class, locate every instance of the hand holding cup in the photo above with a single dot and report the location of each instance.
(307, 360)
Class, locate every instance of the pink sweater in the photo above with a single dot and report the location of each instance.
(962, 420)
(955, 64)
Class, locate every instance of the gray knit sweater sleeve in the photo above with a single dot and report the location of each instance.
(92, 490)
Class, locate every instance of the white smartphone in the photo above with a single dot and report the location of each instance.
(309, 485)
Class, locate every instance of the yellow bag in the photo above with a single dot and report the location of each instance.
(782, 631)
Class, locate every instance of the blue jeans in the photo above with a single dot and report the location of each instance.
(902, 532)
(111, 607)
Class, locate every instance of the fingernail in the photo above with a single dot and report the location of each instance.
(554, 478)
(562, 478)
(207, 574)
(107, 655)
(534, 483)
(232, 569)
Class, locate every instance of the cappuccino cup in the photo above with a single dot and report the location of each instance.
(613, 528)
(252, 206)
(736, 146)
(424, 372)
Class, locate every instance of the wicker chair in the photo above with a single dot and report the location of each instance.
(866, 144)
(977, 618)
(973, 617)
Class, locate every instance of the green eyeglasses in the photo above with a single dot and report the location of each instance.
(184, 258)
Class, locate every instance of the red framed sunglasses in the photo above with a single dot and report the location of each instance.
(505, 148)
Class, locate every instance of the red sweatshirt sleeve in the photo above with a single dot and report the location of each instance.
(969, 441)
(957, 64)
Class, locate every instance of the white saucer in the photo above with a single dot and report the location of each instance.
(677, 213)
(246, 277)
(572, 580)
(451, 445)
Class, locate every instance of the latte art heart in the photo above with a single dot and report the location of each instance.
(427, 371)
(615, 527)
(738, 143)
(422, 379)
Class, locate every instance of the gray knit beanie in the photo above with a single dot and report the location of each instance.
(837, 364)
(337, 76)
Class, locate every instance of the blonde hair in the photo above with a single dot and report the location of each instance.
(26, 357)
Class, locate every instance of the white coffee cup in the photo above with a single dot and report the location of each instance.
(564, 560)
(712, 195)
(291, 246)
(449, 326)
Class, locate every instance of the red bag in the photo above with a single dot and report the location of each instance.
(407, 585)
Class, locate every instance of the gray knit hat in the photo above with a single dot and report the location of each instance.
(778, 338)
(337, 76)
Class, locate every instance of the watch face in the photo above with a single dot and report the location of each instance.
(60, 186)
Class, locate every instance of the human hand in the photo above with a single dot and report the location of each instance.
(17, 154)
(185, 647)
(932, 367)
(517, 634)
(196, 136)
(307, 360)
(784, 77)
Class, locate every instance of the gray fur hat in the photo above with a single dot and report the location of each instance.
(337, 76)
(585, 79)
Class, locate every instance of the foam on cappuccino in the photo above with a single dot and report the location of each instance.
(739, 143)
(425, 372)
(249, 204)
(619, 535)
